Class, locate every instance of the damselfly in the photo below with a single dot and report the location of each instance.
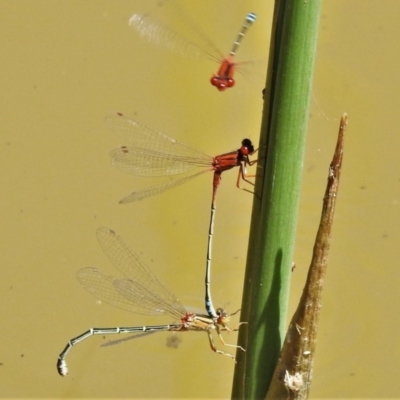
(156, 31)
(154, 154)
(142, 293)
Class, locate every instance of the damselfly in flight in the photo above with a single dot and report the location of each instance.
(199, 46)
(142, 293)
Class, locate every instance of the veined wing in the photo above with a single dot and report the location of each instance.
(157, 189)
(139, 277)
(184, 36)
(103, 287)
(151, 152)
(144, 299)
(145, 162)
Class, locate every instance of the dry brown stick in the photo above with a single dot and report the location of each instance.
(293, 373)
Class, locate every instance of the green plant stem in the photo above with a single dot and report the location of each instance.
(275, 206)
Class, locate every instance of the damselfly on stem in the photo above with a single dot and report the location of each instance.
(142, 293)
(154, 154)
(157, 31)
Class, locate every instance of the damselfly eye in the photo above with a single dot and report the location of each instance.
(248, 146)
(221, 312)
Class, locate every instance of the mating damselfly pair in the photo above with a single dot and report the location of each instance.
(151, 153)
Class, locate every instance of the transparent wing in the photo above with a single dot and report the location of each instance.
(182, 35)
(145, 301)
(103, 287)
(141, 285)
(151, 142)
(145, 162)
(157, 189)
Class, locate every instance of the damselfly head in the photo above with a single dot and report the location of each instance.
(223, 79)
(223, 316)
(247, 147)
(222, 83)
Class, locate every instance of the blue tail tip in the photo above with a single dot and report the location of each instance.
(251, 17)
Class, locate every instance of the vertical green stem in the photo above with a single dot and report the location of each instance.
(275, 206)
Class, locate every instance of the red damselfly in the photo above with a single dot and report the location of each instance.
(153, 153)
(200, 46)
